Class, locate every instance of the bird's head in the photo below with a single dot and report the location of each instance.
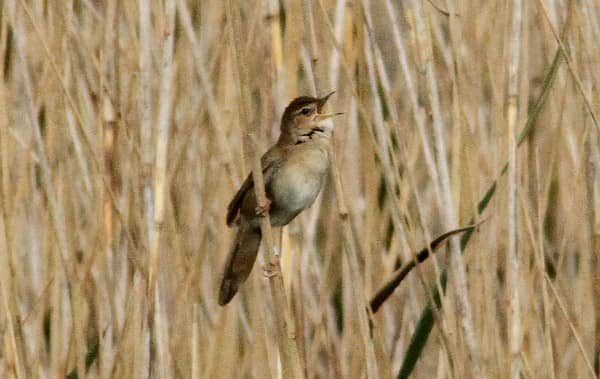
(304, 119)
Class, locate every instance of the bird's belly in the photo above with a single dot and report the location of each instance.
(293, 190)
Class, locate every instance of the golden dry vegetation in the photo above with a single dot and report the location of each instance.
(126, 126)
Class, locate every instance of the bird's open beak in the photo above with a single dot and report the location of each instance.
(323, 100)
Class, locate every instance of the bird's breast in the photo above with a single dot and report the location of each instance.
(297, 183)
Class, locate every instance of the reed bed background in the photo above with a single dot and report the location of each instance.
(122, 129)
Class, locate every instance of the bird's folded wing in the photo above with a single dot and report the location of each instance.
(268, 163)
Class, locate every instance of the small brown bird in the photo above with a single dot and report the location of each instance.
(294, 171)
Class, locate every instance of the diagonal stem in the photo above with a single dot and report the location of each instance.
(425, 324)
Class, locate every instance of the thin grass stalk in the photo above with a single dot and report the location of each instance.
(140, 339)
(111, 171)
(539, 254)
(458, 106)
(578, 83)
(52, 60)
(158, 329)
(288, 348)
(195, 342)
(450, 219)
(572, 327)
(8, 302)
(109, 127)
(404, 270)
(363, 113)
(209, 97)
(338, 30)
(425, 323)
(163, 123)
(512, 264)
(409, 248)
(427, 318)
(417, 111)
(60, 332)
(313, 53)
(57, 222)
(592, 168)
(264, 351)
(7, 283)
(279, 80)
(78, 307)
(160, 326)
(348, 73)
(447, 346)
(390, 170)
(409, 251)
(124, 333)
(145, 106)
(357, 284)
(71, 123)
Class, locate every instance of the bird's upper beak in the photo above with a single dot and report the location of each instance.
(321, 104)
(323, 100)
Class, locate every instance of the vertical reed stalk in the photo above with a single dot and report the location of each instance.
(357, 283)
(145, 106)
(450, 218)
(159, 333)
(512, 254)
(163, 124)
(288, 348)
(7, 286)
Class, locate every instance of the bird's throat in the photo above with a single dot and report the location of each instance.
(308, 136)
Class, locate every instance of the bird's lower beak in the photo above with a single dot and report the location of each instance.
(325, 116)
(324, 121)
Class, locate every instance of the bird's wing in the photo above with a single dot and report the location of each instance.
(268, 162)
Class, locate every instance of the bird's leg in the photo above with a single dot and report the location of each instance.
(271, 270)
(263, 209)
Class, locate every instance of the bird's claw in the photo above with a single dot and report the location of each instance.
(270, 270)
(263, 209)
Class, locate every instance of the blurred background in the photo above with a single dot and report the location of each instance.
(122, 142)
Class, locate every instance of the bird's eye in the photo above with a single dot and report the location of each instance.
(306, 111)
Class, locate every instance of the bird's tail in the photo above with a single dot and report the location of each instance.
(240, 261)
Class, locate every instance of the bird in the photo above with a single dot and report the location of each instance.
(294, 171)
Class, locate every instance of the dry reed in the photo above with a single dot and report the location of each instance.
(126, 126)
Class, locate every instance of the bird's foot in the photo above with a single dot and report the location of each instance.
(270, 270)
(263, 209)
